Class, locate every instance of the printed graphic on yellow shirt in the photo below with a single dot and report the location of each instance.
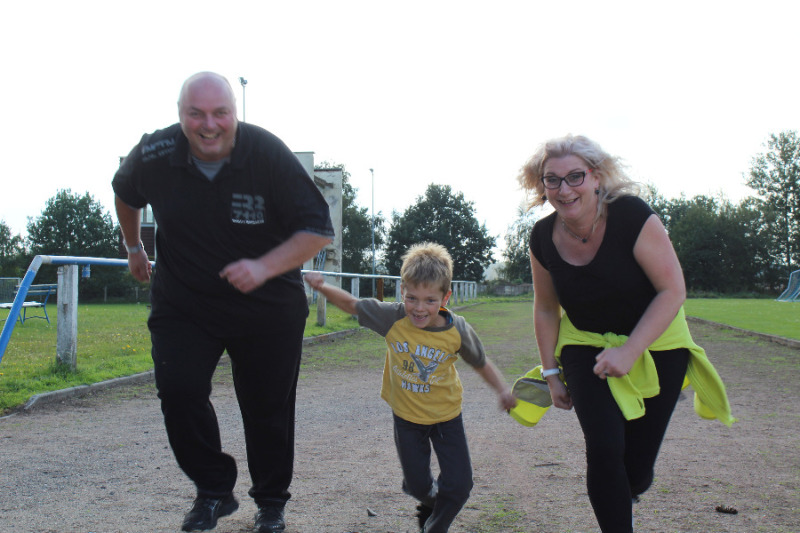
(419, 375)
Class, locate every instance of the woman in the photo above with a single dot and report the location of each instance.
(620, 352)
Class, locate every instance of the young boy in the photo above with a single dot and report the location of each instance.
(420, 381)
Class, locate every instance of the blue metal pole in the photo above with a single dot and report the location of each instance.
(19, 299)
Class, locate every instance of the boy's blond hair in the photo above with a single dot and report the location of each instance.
(427, 263)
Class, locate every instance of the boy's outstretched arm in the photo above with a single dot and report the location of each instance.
(338, 297)
(493, 377)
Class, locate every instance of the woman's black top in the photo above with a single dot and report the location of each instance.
(611, 293)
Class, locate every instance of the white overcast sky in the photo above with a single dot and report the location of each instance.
(448, 92)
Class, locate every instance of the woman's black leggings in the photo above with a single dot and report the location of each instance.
(620, 454)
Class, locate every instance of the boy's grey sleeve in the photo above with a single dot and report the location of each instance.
(471, 350)
(378, 316)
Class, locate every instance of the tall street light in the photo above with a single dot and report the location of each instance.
(372, 173)
(243, 82)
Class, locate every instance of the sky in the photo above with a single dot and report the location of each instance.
(455, 93)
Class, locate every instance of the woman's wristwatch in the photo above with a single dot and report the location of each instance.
(550, 372)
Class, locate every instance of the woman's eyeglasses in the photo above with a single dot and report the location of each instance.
(573, 179)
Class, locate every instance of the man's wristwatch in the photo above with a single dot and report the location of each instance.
(138, 247)
(550, 372)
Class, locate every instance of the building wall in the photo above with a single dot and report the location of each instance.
(329, 183)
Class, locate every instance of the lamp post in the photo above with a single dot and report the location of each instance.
(372, 173)
(243, 82)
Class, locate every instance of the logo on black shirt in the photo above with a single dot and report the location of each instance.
(157, 149)
(247, 209)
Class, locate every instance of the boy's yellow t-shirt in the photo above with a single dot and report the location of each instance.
(420, 380)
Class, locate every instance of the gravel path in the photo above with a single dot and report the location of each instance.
(101, 463)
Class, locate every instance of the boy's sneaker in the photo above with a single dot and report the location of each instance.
(423, 512)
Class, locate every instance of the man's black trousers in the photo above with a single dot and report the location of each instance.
(265, 362)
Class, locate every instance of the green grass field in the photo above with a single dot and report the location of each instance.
(113, 340)
(764, 316)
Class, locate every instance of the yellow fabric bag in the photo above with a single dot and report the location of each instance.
(533, 398)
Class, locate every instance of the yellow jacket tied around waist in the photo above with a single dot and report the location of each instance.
(629, 391)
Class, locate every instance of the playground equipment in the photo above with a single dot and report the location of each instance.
(67, 316)
(792, 292)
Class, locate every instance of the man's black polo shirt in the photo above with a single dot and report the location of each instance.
(259, 199)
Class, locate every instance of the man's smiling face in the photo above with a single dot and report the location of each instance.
(207, 112)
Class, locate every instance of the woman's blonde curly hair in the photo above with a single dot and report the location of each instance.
(614, 182)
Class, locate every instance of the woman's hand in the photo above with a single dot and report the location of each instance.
(615, 362)
(559, 393)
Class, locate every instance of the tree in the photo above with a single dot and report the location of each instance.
(446, 218)
(711, 236)
(517, 267)
(692, 230)
(775, 175)
(76, 225)
(657, 202)
(12, 253)
(759, 244)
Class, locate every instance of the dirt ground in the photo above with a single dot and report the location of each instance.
(101, 463)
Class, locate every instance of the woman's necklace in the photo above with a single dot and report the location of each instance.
(584, 240)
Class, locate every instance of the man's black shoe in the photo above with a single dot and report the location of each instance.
(423, 513)
(206, 511)
(269, 518)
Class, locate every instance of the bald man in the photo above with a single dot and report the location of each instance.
(237, 216)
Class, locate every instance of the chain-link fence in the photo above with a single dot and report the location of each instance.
(8, 289)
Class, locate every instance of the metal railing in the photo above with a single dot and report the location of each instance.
(463, 291)
(67, 301)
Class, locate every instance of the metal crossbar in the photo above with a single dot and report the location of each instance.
(462, 290)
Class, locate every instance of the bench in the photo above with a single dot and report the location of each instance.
(38, 294)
